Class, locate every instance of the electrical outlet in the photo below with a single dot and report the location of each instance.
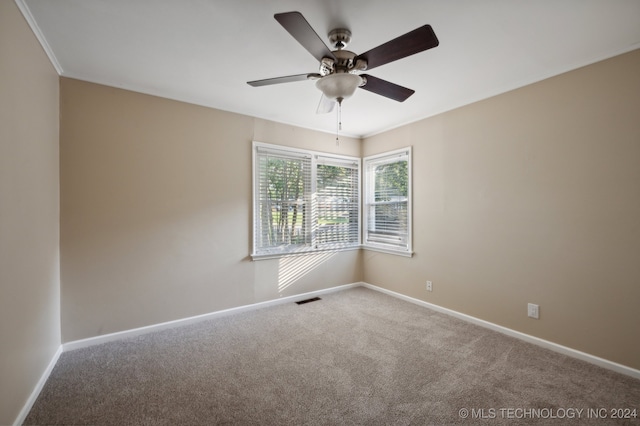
(429, 286)
(533, 311)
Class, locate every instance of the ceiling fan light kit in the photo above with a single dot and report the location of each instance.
(338, 76)
(338, 87)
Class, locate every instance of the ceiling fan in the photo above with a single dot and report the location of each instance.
(338, 76)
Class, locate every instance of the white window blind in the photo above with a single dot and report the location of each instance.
(338, 203)
(388, 201)
(282, 201)
(304, 201)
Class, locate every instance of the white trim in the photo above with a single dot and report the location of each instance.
(307, 252)
(315, 158)
(36, 31)
(601, 362)
(468, 100)
(303, 152)
(38, 388)
(77, 344)
(381, 249)
(400, 152)
(92, 341)
(368, 185)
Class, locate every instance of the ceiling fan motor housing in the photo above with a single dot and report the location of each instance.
(344, 62)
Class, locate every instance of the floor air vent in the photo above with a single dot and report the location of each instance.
(313, 299)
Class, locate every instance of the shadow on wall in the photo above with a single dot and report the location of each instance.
(293, 268)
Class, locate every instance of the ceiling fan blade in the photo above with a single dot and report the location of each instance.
(278, 80)
(413, 42)
(385, 88)
(325, 106)
(300, 29)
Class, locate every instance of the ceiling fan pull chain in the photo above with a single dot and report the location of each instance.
(337, 129)
(338, 121)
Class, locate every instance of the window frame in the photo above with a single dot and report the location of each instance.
(369, 186)
(353, 163)
(317, 158)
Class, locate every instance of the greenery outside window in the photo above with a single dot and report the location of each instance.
(304, 201)
(387, 203)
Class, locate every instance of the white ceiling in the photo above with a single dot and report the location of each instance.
(204, 51)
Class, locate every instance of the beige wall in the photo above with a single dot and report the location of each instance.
(531, 196)
(156, 212)
(29, 212)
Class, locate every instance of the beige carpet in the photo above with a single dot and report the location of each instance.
(355, 357)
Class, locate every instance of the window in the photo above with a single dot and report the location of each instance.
(304, 201)
(387, 203)
(338, 202)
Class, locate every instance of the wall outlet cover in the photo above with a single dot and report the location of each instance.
(533, 311)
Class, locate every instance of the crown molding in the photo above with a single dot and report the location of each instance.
(26, 12)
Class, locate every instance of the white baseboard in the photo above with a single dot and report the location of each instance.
(77, 344)
(92, 341)
(486, 324)
(610, 365)
(36, 391)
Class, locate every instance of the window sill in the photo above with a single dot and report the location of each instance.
(267, 256)
(402, 253)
